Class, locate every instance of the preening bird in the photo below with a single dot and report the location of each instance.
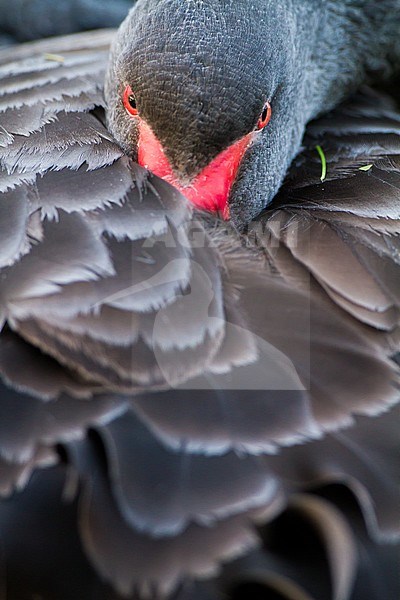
(199, 387)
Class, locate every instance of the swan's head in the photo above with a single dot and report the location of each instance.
(204, 94)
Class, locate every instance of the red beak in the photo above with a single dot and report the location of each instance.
(211, 188)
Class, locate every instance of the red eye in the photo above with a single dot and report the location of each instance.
(130, 101)
(265, 116)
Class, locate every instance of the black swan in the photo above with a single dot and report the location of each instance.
(198, 407)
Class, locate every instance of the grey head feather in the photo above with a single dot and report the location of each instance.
(203, 87)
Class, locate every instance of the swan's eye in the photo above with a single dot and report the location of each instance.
(130, 102)
(265, 116)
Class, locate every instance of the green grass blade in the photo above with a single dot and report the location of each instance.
(323, 162)
(53, 57)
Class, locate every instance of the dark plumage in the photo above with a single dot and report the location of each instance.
(41, 18)
(185, 410)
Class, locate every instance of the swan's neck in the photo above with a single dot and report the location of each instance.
(353, 41)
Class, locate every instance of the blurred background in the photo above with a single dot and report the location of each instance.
(25, 20)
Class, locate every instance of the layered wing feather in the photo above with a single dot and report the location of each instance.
(191, 381)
